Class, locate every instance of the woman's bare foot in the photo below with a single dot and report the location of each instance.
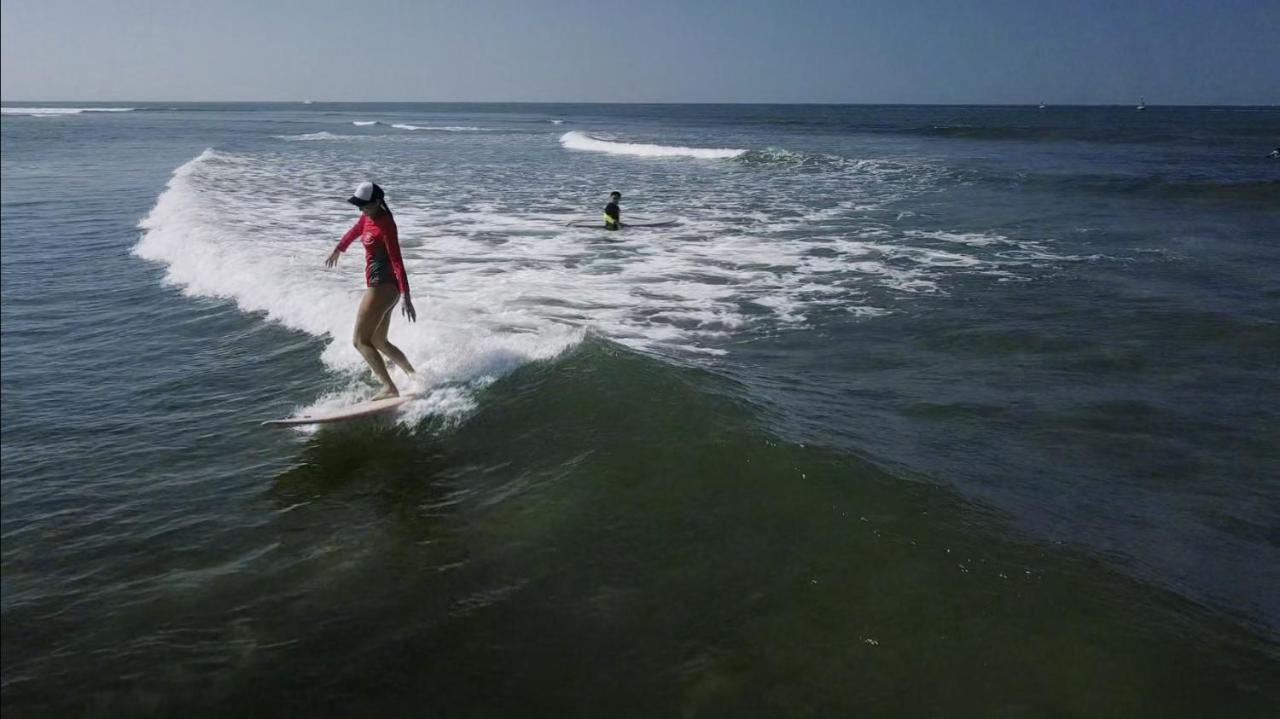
(387, 393)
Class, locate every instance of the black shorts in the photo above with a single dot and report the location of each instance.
(378, 271)
(380, 274)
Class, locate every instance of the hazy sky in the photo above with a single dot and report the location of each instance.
(892, 51)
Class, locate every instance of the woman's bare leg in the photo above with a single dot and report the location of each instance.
(384, 346)
(374, 307)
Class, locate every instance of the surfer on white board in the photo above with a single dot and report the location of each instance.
(385, 280)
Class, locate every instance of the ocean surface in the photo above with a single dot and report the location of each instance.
(915, 411)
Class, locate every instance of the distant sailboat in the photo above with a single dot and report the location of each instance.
(306, 102)
(1042, 104)
(1142, 103)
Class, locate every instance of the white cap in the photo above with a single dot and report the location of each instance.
(365, 192)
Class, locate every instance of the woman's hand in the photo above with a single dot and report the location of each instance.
(407, 309)
(333, 259)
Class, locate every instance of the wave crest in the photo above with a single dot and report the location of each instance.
(317, 136)
(575, 140)
(448, 128)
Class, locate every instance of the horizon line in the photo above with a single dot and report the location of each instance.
(634, 102)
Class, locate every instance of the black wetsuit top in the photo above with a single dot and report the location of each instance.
(611, 210)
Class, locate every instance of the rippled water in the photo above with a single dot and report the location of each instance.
(913, 410)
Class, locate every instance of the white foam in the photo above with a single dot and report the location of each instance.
(935, 258)
(55, 111)
(365, 123)
(575, 140)
(973, 239)
(206, 229)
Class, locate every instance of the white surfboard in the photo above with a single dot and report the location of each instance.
(369, 408)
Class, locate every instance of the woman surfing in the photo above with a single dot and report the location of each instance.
(385, 280)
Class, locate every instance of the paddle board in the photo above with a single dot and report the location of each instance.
(369, 408)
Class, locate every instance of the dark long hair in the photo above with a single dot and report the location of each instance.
(380, 197)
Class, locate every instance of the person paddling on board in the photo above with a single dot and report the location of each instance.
(385, 280)
(612, 213)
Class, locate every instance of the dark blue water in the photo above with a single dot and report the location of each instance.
(915, 410)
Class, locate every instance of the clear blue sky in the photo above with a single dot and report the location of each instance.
(891, 51)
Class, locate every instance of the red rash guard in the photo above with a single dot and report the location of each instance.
(381, 246)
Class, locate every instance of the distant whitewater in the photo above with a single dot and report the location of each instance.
(575, 140)
(326, 135)
(56, 111)
(322, 135)
(448, 128)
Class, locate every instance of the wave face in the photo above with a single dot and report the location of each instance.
(575, 140)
